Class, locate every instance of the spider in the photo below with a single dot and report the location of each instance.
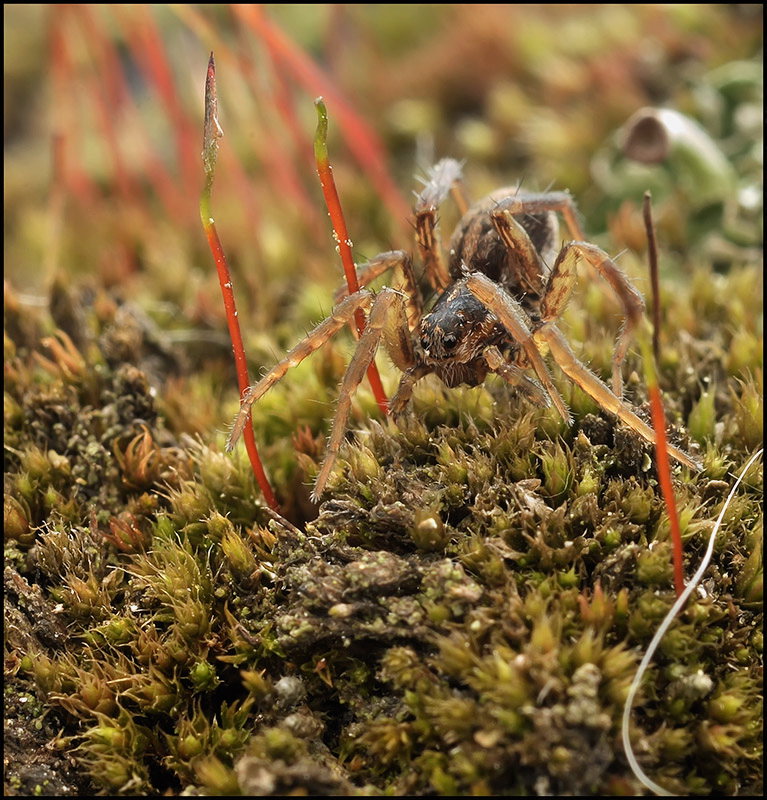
(497, 301)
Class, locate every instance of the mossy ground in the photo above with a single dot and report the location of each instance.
(464, 615)
(464, 611)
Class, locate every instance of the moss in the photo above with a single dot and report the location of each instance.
(464, 611)
(453, 596)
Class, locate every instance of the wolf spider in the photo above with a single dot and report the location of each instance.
(497, 302)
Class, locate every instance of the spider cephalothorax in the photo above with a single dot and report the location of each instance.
(455, 333)
(497, 301)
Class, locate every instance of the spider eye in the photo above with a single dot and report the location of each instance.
(449, 341)
(425, 342)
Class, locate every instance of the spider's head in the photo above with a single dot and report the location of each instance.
(457, 329)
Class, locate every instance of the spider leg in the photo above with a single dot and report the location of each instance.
(442, 178)
(537, 203)
(530, 269)
(341, 315)
(377, 324)
(630, 299)
(397, 333)
(404, 392)
(562, 281)
(512, 317)
(516, 377)
(404, 278)
(592, 385)
(547, 335)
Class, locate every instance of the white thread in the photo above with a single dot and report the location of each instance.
(662, 628)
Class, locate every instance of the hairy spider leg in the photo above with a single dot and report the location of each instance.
(538, 202)
(512, 316)
(547, 335)
(530, 269)
(404, 392)
(387, 315)
(558, 291)
(341, 315)
(403, 278)
(628, 296)
(458, 192)
(516, 377)
(443, 178)
(631, 300)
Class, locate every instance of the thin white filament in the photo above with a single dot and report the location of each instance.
(662, 628)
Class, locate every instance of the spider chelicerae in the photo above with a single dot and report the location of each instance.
(498, 298)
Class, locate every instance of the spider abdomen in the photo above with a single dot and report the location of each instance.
(476, 243)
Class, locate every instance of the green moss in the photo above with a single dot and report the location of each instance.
(464, 611)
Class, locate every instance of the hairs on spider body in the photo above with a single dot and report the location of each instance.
(498, 299)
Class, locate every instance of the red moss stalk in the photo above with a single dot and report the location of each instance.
(67, 119)
(113, 100)
(106, 89)
(360, 138)
(325, 171)
(159, 72)
(656, 404)
(212, 134)
(664, 478)
(56, 200)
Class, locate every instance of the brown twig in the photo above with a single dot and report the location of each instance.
(652, 255)
(656, 404)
